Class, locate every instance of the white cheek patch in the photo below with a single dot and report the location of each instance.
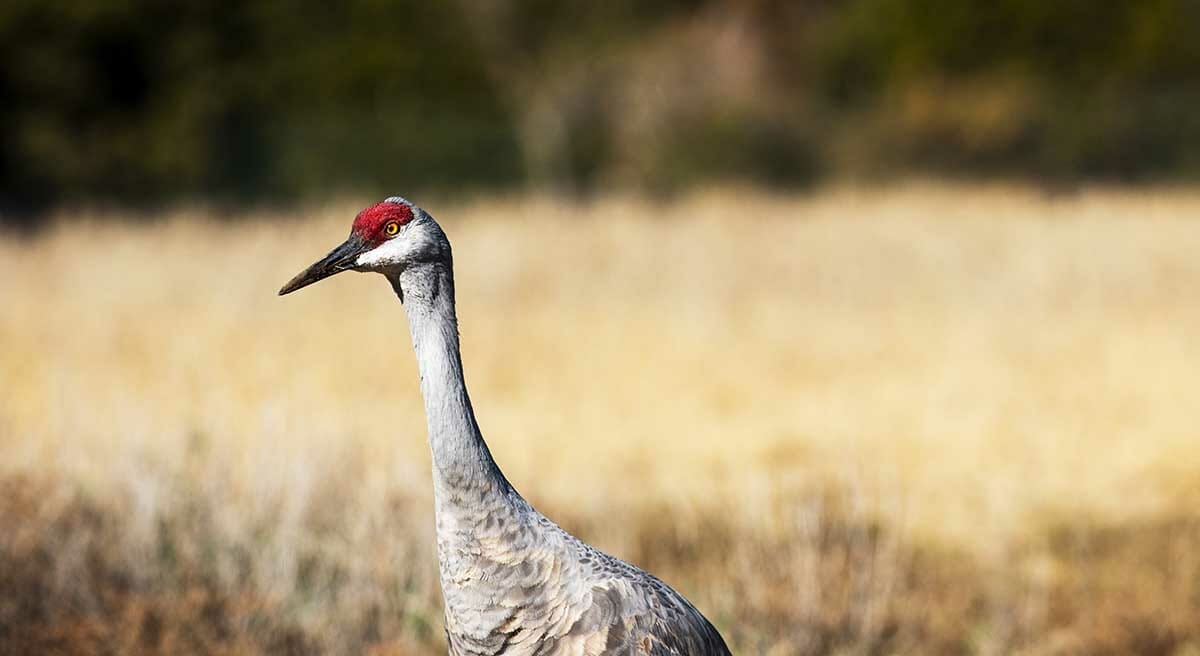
(389, 252)
(370, 258)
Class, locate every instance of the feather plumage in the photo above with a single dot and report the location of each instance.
(514, 583)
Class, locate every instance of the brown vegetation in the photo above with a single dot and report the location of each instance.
(927, 420)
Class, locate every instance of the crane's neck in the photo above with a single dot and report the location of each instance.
(463, 468)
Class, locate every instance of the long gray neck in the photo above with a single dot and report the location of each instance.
(463, 468)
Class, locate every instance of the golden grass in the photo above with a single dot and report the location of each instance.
(926, 419)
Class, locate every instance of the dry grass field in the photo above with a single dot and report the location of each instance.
(918, 420)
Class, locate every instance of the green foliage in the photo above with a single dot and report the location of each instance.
(144, 100)
(1082, 89)
(141, 101)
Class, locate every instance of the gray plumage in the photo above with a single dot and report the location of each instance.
(514, 583)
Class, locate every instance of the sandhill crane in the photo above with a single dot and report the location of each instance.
(513, 582)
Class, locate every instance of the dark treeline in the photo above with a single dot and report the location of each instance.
(137, 103)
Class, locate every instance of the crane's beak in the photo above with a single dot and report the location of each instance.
(339, 259)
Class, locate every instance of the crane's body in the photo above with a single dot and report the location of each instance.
(514, 583)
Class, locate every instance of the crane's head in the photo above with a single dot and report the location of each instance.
(387, 237)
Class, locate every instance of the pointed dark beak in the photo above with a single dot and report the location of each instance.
(339, 259)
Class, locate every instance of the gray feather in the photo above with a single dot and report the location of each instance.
(514, 583)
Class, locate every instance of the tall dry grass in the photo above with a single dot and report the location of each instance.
(930, 419)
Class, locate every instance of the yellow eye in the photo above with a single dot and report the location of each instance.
(391, 229)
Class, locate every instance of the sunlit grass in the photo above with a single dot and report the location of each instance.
(813, 414)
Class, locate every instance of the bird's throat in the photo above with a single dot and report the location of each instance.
(462, 465)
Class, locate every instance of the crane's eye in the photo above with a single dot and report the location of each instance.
(391, 229)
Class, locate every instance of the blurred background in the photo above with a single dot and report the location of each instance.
(137, 103)
(870, 325)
